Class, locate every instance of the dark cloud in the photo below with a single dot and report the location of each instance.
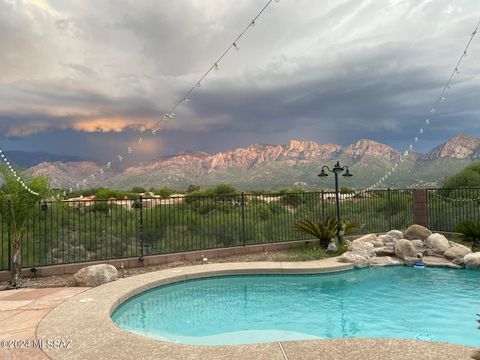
(328, 71)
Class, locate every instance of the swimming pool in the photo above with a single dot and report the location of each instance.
(396, 302)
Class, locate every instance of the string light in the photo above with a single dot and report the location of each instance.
(440, 99)
(15, 175)
(184, 99)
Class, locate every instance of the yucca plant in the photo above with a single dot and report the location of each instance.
(470, 232)
(327, 230)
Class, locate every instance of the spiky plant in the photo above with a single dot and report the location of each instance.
(327, 230)
(470, 232)
(17, 205)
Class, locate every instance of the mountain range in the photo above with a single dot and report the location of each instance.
(269, 167)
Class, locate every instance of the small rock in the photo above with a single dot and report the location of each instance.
(417, 232)
(386, 239)
(332, 247)
(397, 234)
(95, 275)
(438, 243)
(472, 260)
(404, 248)
(384, 251)
(377, 243)
(385, 261)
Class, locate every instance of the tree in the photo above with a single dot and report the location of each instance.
(468, 177)
(138, 190)
(17, 205)
(163, 192)
(192, 188)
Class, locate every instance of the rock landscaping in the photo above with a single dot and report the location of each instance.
(397, 248)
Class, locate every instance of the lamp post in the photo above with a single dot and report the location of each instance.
(337, 169)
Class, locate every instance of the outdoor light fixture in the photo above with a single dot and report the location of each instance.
(337, 169)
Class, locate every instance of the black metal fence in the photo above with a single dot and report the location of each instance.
(448, 207)
(88, 230)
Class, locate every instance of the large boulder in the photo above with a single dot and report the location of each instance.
(457, 252)
(418, 244)
(417, 232)
(95, 275)
(397, 234)
(359, 260)
(360, 246)
(438, 243)
(405, 249)
(472, 260)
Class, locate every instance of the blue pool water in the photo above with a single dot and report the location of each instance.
(395, 302)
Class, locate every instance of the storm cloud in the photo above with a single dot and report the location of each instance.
(88, 78)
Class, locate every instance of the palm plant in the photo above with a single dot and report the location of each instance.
(470, 232)
(327, 230)
(17, 206)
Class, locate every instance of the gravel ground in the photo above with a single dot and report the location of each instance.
(67, 280)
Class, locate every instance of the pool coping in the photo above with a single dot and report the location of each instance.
(85, 320)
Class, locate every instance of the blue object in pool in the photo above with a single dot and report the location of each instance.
(394, 302)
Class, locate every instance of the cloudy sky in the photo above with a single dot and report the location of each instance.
(88, 78)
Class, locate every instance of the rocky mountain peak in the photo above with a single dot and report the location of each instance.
(459, 147)
(371, 148)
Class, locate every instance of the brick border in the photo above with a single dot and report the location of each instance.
(161, 259)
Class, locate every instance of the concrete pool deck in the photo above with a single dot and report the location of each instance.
(85, 320)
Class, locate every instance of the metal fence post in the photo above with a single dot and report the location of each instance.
(141, 229)
(9, 238)
(243, 219)
(323, 206)
(390, 210)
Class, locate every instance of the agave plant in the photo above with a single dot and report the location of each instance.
(327, 230)
(470, 232)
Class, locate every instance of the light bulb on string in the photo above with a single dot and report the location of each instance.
(215, 66)
(465, 53)
(120, 158)
(252, 24)
(236, 47)
(420, 131)
(457, 71)
(154, 132)
(427, 121)
(199, 84)
(140, 140)
(416, 139)
(129, 150)
(170, 115)
(109, 165)
(443, 98)
(186, 100)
